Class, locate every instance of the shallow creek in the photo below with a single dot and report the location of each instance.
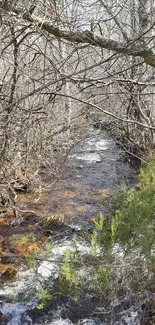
(95, 169)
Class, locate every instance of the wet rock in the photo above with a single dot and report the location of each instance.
(80, 167)
(3, 319)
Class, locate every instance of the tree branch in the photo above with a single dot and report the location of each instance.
(146, 126)
(128, 47)
(123, 32)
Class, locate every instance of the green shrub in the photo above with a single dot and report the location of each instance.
(137, 214)
(132, 231)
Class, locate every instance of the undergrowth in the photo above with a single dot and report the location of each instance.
(120, 259)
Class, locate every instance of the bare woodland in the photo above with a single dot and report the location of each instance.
(65, 64)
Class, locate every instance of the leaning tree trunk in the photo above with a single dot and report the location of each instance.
(140, 137)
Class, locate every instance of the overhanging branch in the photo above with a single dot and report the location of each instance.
(128, 47)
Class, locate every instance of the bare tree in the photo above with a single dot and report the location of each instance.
(96, 57)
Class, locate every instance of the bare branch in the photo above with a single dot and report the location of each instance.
(123, 32)
(106, 112)
(128, 47)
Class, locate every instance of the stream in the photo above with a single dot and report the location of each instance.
(95, 169)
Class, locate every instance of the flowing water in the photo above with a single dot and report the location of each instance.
(95, 169)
